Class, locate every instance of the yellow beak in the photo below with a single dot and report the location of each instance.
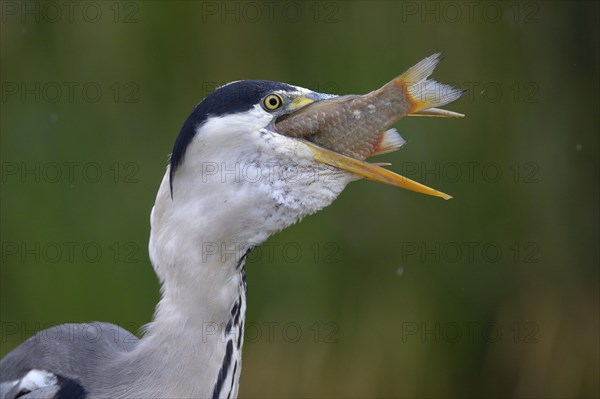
(299, 102)
(369, 171)
(437, 112)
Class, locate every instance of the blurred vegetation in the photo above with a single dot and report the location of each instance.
(394, 294)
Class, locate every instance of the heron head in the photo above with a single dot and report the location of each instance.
(229, 158)
(238, 113)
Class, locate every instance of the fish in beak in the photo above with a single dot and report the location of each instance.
(343, 131)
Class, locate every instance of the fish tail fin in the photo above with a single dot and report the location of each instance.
(423, 93)
(390, 141)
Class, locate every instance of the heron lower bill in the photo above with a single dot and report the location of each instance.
(371, 171)
(204, 223)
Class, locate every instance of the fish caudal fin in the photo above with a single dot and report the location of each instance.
(390, 141)
(423, 93)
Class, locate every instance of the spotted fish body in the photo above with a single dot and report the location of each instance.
(357, 125)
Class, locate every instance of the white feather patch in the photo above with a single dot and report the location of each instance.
(37, 379)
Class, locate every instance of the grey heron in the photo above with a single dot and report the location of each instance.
(200, 202)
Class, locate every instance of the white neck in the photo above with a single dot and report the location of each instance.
(199, 238)
(203, 303)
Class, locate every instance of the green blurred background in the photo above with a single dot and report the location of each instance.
(386, 293)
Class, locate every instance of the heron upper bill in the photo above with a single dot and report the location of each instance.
(437, 112)
(299, 102)
(370, 171)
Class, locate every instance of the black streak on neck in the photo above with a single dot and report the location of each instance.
(223, 372)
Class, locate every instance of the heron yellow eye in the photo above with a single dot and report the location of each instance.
(272, 102)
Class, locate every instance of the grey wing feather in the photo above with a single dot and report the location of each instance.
(74, 353)
(7, 389)
(51, 392)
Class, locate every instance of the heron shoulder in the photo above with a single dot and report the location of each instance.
(71, 352)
